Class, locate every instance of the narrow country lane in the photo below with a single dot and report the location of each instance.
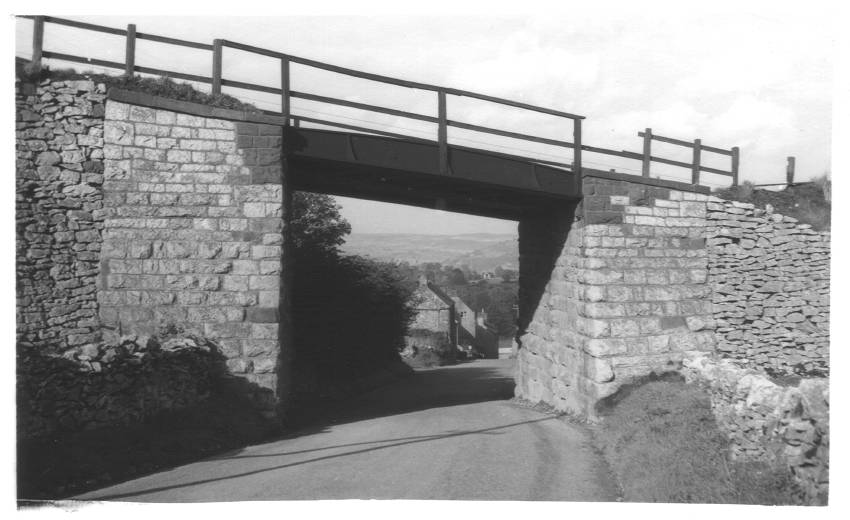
(444, 433)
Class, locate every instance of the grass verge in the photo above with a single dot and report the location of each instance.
(663, 444)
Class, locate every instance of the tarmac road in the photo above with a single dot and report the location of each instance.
(444, 433)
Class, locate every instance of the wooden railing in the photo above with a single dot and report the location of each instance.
(217, 80)
(695, 165)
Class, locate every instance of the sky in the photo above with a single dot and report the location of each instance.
(731, 74)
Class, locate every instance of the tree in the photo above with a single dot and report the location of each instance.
(497, 300)
(457, 277)
(316, 223)
(509, 275)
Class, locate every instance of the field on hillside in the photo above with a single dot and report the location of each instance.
(480, 251)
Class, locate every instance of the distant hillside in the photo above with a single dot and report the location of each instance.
(480, 251)
(504, 253)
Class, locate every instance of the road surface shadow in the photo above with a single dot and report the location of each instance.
(474, 382)
(384, 444)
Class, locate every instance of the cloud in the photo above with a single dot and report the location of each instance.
(524, 67)
(749, 116)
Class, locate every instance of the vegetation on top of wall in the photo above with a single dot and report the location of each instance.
(156, 86)
(662, 442)
(808, 202)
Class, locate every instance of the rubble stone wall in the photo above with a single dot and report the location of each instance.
(59, 211)
(769, 277)
(771, 422)
(112, 385)
(193, 232)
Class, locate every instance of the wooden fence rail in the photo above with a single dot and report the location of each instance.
(217, 80)
(696, 164)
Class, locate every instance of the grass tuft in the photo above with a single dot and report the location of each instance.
(808, 202)
(156, 86)
(662, 442)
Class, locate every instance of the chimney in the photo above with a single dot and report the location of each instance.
(423, 281)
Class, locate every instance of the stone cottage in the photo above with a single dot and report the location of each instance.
(435, 325)
(444, 322)
(473, 331)
(465, 317)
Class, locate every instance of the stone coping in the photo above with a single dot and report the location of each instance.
(187, 107)
(661, 183)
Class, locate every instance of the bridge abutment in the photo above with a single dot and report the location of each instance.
(626, 294)
(195, 209)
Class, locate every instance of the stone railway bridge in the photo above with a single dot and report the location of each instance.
(140, 210)
(195, 207)
(135, 211)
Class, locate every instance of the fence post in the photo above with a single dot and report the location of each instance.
(736, 155)
(647, 151)
(577, 181)
(789, 170)
(695, 165)
(130, 51)
(37, 43)
(442, 132)
(284, 89)
(216, 68)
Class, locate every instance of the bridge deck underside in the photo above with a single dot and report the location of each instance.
(406, 172)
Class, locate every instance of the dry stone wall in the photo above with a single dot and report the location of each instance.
(767, 421)
(627, 294)
(59, 211)
(769, 277)
(193, 232)
(110, 385)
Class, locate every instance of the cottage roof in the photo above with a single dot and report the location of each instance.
(440, 294)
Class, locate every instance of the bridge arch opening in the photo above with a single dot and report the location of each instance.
(461, 307)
